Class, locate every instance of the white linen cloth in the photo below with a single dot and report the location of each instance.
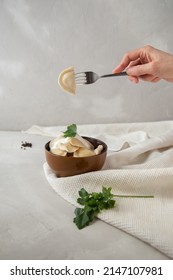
(139, 162)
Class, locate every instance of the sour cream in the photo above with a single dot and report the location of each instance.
(73, 146)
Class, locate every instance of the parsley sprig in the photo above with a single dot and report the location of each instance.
(71, 131)
(93, 203)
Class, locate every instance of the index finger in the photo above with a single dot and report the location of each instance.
(127, 58)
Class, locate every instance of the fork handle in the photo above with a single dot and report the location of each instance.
(116, 74)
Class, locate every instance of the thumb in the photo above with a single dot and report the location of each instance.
(139, 70)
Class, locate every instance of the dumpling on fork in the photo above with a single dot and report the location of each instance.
(66, 80)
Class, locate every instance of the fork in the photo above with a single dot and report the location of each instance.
(89, 77)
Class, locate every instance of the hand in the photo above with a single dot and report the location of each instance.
(148, 64)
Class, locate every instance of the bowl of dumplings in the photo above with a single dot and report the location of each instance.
(70, 154)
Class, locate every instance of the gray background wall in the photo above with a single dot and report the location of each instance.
(39, 38)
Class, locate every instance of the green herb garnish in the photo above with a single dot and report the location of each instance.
(71, 131)
(94, 203)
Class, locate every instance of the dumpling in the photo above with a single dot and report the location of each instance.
(66, 80)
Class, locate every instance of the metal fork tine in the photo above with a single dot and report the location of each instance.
(80, 78)
(81, 81)
(80, 73)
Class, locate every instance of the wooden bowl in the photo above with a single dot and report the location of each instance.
(65, 166)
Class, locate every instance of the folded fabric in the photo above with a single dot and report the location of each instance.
(139, 162)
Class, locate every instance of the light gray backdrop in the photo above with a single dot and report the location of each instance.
(39, 38)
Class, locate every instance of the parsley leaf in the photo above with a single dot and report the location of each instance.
(93, 203)
(71, 131)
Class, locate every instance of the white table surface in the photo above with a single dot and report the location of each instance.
(36, 223)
